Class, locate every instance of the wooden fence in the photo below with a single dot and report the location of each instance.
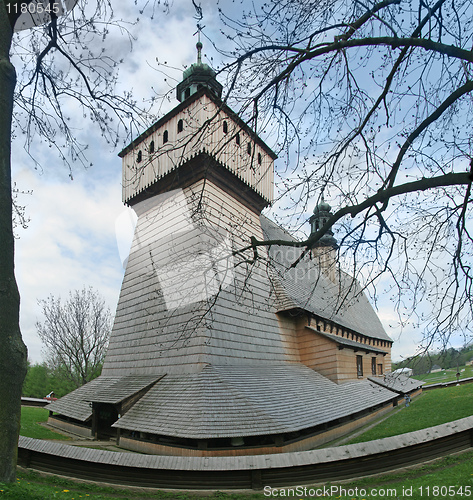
(248, 472)
(462, 381)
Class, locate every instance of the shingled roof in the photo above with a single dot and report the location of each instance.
(399, 383)
(233, 375)
(103, 389)
(232, 401)
(306, 287)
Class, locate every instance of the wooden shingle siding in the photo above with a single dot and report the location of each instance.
(203, 132)
(398, 383)
(237, 323)
(102, 389)
(210, 343)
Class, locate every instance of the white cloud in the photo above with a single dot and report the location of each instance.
(70, 243)
(406, 340)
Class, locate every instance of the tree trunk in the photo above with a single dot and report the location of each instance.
(12, 349)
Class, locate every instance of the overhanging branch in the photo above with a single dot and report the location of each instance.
(424, 184)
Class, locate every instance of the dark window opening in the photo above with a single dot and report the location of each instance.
(165, 137)
(373, 366)
(248, 148)
(104, 415)
(180, 126)
(359, 366)
(187, 93)
(225, 127)
(237, 138)
(260, 160)
(151, 147)
(139, 157)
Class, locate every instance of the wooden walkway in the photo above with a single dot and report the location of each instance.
(252, 471)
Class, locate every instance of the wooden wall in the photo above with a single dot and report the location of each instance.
(324, 355)
(202, 131)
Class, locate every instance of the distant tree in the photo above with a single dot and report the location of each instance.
(62, 384)
(40, 380)
(446, 358)
(37, 381)
(75, 334)
(422, 364)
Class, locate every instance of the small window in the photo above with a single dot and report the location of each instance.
(180, 126)
(165, 137)
(187, 93)
(260, 161)
(380, 369)
(151, 147)
(373, 366)
(139, 156)
(359, 366)
(237, 138)
(225, 127)
(248, 148)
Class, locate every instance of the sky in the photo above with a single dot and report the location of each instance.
(79, 231)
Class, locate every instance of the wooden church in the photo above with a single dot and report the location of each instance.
(216, 351)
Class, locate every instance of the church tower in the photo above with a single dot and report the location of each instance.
(214, 351)
(325, 250)
(198, 180)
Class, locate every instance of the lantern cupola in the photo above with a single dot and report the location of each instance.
(198, 75)
(321, 215)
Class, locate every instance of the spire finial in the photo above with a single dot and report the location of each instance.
(198, 75)
(199, 46)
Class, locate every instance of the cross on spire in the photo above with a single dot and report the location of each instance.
(199, 44)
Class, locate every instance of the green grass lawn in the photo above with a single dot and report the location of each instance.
(30, 424)
(431, 408)
(446, 375)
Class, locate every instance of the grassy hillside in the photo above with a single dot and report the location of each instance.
(431, 408)
(449, 375)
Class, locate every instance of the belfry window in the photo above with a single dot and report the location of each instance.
(225, 127)
(248, 148)
(260, 160)
(237, 138)
(139, 156)
(151, 147)
(180, 126)
(165, 137)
